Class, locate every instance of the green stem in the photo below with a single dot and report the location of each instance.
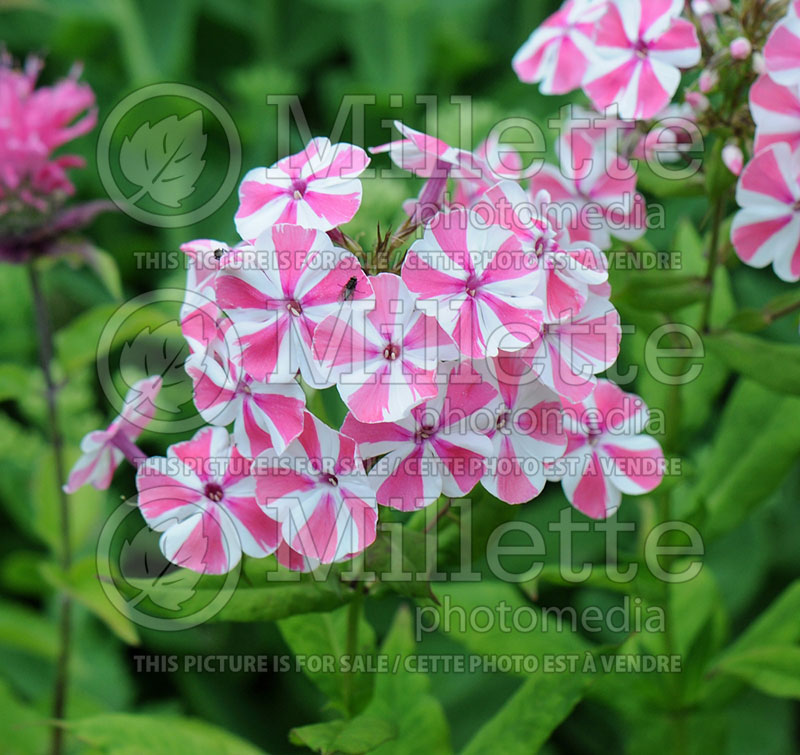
(713, 260)
(45, 338)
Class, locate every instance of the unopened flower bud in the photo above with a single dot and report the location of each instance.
(708, 80)
(759, 66)
(741, 48)
(733, 158)
(720, 6)
(698, 101)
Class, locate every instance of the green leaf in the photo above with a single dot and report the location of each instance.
(664, 186)
(775, 365)
(15, 381)
(661, 291)
(494, 606)
(728, 491)
(362, 734)
(774, 669)
(133, 734)
(22, 729)
(165, 159)
(392, 555)
(526, 721)
(325, 634)
(82, 584)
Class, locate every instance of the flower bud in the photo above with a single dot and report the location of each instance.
(708, 80)
(741, 48)
(720, 6)
(733, 158)
(759, 65)
(698, 101)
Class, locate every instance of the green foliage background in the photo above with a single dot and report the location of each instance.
(735, 429)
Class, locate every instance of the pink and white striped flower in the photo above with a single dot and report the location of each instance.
(384, 362)
(277, 296)
(596, 204)
(640, 46)
(782, 51)
(202, 497)
(558, 53)
(440, 448)
(480, 282)
(767, 228)
(776, 111)
(319, 492)
(102, 450)
(204, 325)
(497, 162)
(264, 415)
(573, 349)
(528, 431)
(316, 188)
(606, 454)
(204, 260)
(568, 272)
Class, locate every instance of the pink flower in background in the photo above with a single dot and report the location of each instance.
(204, 258)
(528, 431)
(640, 46)
(316, 188)
(767, 228)
(573, 349)
(557, 54)
(496, 161)
(440, 448)
(277, 296)
(782, 51)
(34, 123)
(384, 363)
(594, 200)
(430, 158)
(319, 492)
(606, 454)
(567, 273)
(202, 497)
(264, 415)
(776, 111)
(733, 158)
(102, 450)
(480, 282)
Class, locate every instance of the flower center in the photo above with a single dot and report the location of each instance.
(294, 308)
(213, 492)
(425, 432)
(391, 352)
(299, 187)
(797, 206)
(641, 48)
(502, 420)
(331, 479)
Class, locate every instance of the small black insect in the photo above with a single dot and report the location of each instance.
(349, 289)
(219, 252)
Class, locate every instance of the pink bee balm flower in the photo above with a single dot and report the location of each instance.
(782, 51)
(573, 349)
(385, 362)
(316, 188)
(606, 455)
(202, 497)
(776, 112)
(277, 296)
(440, 448)
(103, 450)
(767, 228)
(641, 45)
(594, 203)
(480, 282)
(567, 273)
(557, 54)
(34, 123)
(528, 431)
(319, 492)
(264, 415)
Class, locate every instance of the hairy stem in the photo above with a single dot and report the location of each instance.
(45, 338)
(713, 259)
